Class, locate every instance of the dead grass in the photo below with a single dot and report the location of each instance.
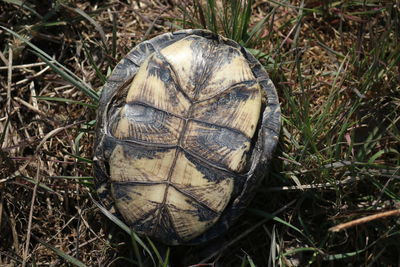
(336, 67)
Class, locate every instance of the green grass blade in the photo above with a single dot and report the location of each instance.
(86, 90)
(62, 254)
(59, 68)
(311, 10)
(25, 5)
(380, 153)
(279, 220)
(96, 25)
(136, 250)
(212, 15)
(66, 100)
(297, 250)
(41, 185)
(200, 12)
(166, 260)
(123, 226)
(255, 31)
(72, 177)
(245, 19)
(250, 261)
(38, 50)
(81, 159)
(77, 142)
(344, 255)
(99, 74)
(155, 250)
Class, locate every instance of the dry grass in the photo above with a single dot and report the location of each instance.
(336, 68)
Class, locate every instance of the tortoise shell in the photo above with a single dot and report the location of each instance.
(186, 125)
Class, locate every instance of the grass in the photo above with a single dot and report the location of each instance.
(336, 68)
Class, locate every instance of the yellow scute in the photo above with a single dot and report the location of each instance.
(237, 158)
(224, 76)
(152, 90)
(213, 194)
(139, 200)
(125, 167)
(215, 145)
(189, 219)
(181, 57)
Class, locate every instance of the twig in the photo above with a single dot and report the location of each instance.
(26, 104)
(14, 257)
(146, 35)
(346, 181)
(9, 81)
(25, 129)
(14, 233)
(28, 234)
(88, 226)
(346, 225)
(84, 244)
(53, 133)
(22, 66)
(9, 78)
(35, 105)
(1, 204)
(3, 58)
(32, 77)
(16, 173)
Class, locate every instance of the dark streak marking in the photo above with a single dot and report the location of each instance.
(173, 227)
(141, 183)
(244, 83)
(109, 144)
(165, 226)
(223, 142)
(208, 173)
(203, 205)
(141, 114)
(121, 193)
(123, 71)
(178, 86)
(141, 143)
(136, 102)
(202, 70)
(144, 124)
(161, 69)
(140, 54)
(183, 118)
(221, 137)
(214, 165)
(161, 148)
(238, 132)
(141, 153)
(203, 214)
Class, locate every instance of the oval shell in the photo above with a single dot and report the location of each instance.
(180, 132)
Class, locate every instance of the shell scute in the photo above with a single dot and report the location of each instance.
(149, 88)
(145, 124)
(145, 165)
(234, 108)
(228, 147)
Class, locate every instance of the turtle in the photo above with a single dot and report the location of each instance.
(186, 126)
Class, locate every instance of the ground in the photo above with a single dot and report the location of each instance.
(336, 69)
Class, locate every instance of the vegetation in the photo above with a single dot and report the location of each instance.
(332, 195)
